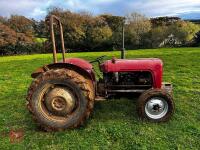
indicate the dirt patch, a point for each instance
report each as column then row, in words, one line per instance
column 15, row 135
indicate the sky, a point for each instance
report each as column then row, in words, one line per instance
column 37, row 9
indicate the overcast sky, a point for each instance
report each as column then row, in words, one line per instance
column 187, row 9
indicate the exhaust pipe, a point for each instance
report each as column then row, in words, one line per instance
column 123, row 42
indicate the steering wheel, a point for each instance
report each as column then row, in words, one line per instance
column 98, row 59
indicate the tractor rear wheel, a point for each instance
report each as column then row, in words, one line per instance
column 60, row 99
column 155, row 105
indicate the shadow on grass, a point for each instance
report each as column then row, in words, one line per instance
column 115, row 109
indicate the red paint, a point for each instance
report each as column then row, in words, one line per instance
column 153, row 65
column 79, row 62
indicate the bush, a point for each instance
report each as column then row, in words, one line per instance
column 21, row 48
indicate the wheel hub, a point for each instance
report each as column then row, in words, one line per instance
column 60, row 101
column 156, row 108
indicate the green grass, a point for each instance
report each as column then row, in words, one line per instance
column 114, row 123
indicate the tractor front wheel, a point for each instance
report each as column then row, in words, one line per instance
column 155, row 105
column 60, row 99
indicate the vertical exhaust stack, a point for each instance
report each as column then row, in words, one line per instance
column 123, row 42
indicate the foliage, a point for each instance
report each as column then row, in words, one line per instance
column 22, row 48
column 10, row 36
column 40, row 29
column 40, row 40
column 196, row 40
column 116, row 24
column 181, row 31
column 83, row 31
column 21, row 24
column 16, row 37
column 164, row 21
column 86, row 32
column 137, row 26
column 158, row 35
column 99, row 37
column 190, row 30
column 114, row 123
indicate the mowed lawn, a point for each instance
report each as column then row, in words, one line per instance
column 114, row 124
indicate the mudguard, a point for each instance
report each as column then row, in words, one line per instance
column 79, row 65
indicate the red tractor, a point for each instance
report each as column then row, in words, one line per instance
column 63, row 93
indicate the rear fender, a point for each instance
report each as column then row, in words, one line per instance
column 86, row 73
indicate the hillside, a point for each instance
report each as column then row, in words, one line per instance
column 114, row 123
column 196, row 21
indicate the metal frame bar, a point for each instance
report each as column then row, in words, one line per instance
column 126, row 91
column 52, row 20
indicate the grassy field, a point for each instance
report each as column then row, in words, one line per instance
column 114, row 123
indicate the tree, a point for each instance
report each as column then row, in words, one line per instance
column 74, row 33
column 137, row 26
column 100, row 37
column 12, row 42
column 98, row 33
column 166, row 29
column 21, row 24
column 182, row 31
column 190, row 29
column 3, row 19
column 196, row 40
column 82, row 31
column 39, row 28
column 164, row 21
column 158, row 35
column 10, row 36
column 115, row 23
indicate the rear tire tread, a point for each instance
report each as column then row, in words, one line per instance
column 64, row 74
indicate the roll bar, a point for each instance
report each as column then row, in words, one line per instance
column 51, row 20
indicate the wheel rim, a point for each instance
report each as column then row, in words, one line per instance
column 156, row 108
column 60, row 101
column 52, row 107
